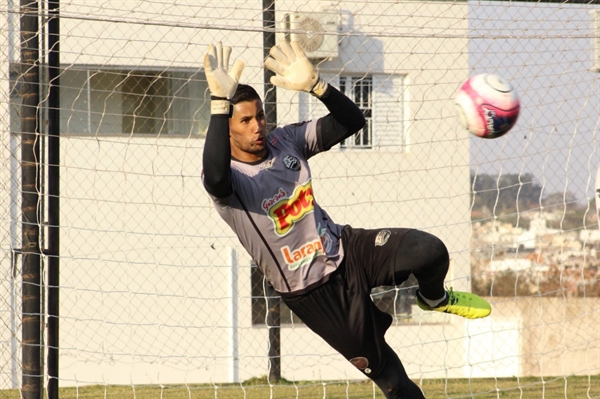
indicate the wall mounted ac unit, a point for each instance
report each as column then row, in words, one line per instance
column 317, row 32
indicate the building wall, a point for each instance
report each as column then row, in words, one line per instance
column 558, row 336
column 145, row 260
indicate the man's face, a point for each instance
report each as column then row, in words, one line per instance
column 247, row 131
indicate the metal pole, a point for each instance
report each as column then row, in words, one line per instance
column 273, row 315
column 30, row 232
column 274, row 325
column 268, row 42
column 234, row 371
column 53, row 250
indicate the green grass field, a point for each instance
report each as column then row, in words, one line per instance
column 481, row 388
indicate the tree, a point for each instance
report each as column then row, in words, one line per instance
column 504, row 194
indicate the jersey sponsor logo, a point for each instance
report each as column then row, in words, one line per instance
column 267, row 165
column 269, row 202
column 286, row 212
column 296, row 258
column 292, row 163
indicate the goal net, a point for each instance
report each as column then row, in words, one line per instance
column 156, row 292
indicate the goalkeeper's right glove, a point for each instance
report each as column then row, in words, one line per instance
column 222, row 84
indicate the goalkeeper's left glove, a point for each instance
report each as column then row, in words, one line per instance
column 293, row 70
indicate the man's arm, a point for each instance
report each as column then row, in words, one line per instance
column 344, row 120
column 295, row 72
column 216, row 157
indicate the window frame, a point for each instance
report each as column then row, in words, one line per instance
column 77, row 101
column 361, row 91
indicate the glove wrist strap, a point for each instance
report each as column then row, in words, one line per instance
column 220, row 106
column 319, row 89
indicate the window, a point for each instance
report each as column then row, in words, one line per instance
column 396, row 301
column 360, row 90
column 383, row 99
column 133, row 102
column 144, row 101
column 260, row 300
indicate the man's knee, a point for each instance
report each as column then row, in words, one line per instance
column 420, row 250
column 430, row 247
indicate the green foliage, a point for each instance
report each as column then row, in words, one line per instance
column 505, row 194
column 264, row 380
column 511, row 198
column 567, row 387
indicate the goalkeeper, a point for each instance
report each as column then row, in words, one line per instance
column 261, row 185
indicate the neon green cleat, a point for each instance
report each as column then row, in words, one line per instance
column 460, row 303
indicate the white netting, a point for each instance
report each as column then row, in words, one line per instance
column 155, row 289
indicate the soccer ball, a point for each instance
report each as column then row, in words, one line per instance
column 487, row 106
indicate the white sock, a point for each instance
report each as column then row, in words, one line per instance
column 433, row 302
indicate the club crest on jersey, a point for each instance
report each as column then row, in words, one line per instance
column 288, row 210
column 292, row 163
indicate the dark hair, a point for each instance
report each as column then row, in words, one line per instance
column 244, row 93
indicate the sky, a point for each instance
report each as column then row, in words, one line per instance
column 545, row 51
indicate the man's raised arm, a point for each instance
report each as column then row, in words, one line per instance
column 295, row 72
column 216, row 156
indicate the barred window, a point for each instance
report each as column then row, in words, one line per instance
column 396, row 301
column 133, row 102
column 264, row 297
column 360, row 90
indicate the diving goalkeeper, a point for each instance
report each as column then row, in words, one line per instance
column 260, row 183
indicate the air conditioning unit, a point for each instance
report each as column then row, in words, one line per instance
column 316, row 32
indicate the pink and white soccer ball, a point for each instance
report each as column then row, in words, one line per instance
column 487, row 105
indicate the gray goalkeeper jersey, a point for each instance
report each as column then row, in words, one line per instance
column 274, row 213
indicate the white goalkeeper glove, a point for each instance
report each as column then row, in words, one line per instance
column 293, row 70
column 222, row 84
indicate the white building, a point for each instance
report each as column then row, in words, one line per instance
column 146, row 264
column 154, row 286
